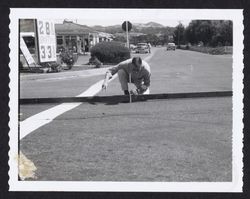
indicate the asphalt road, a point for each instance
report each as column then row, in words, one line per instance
column 167, row 140
column 185, row 71
column 172, row 71
column 173, row 140
column 64, row 84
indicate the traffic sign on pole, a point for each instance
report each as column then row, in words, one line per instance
column 127, row 26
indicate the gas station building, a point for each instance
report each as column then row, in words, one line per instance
column 78, row 38
column 70, row 36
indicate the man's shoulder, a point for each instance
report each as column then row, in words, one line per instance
column 127, row 61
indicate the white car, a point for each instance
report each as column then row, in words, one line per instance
column 142, row 48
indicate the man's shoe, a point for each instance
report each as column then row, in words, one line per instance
column 126, row 92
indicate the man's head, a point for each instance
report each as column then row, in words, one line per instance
column 137, row 62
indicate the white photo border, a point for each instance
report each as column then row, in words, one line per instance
column 236, row 15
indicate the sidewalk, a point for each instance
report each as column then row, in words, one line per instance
column 80, row 71
column 82, row 60
column 80, row 67
column 82, row 63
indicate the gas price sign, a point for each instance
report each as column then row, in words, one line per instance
column 46, row 39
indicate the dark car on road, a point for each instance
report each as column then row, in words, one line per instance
column 171, row 46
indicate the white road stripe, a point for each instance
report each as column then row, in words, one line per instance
column 95, row 88
column 36, row 121
column 40, row 119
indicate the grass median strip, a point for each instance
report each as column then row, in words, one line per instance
column 122, row 98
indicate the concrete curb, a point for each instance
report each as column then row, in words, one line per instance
column 123, row 98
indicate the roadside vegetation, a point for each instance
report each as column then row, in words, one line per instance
column 211, row 33
column 220, row 50
column 207, row 36
column 110, row 52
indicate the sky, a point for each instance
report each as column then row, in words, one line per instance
column 107, row 17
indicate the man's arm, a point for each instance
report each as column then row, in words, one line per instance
column 113, row 71
column 145, row 85
column 121, row 65
column 146, row 79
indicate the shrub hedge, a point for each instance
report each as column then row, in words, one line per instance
column 209, row 50
column 110, row 52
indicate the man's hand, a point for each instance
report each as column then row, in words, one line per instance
column 108, row 76
column 139, row 91
column 142, row 89
column 105, row 85
column 134, row 92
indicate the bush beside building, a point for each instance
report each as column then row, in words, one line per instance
column 110, row 52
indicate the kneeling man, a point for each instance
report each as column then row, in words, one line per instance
column 134, row 71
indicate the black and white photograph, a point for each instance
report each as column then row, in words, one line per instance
column 126, row 100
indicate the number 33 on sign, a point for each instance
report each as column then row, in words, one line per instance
column 46, row 39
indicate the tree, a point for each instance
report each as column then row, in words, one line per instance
column 223, row 33
column 120, row 39
column 204, row 31
column 179, row 37
column 151, row 38
column 162, row 39
column 190, row 33
column 210, row 32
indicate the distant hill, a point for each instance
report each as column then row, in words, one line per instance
column 154, row 24
column 147, row 28
column 109, row 29
column 148, row 25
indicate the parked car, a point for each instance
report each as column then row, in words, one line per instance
column 132, row 48
column 171, row 46
column 142, row 48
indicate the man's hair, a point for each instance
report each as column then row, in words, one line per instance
column 136, row 60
